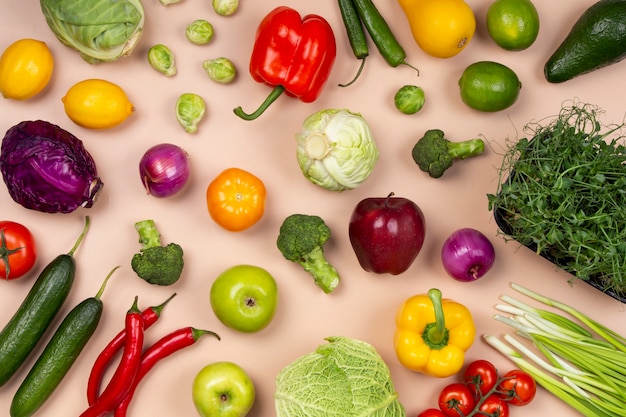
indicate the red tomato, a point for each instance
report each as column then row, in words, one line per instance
column 494, row 406
column 481, row 376
column 17, row 250
column 431, row 412
column 456, row 400
column 517, row 387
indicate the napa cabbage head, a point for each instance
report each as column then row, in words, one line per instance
column 100, row 30
column 336, row 149
column 344, row 377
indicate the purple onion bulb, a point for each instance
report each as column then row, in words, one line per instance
column 164, row 170
column 467, row 255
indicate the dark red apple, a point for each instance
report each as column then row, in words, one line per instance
column 387, row 233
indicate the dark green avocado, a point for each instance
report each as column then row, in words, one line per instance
column 597, row 39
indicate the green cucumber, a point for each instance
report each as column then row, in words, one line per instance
column 597, row 39
column 41, row 305
column 59, row 355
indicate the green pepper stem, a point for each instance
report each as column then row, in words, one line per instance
column 437, row 333
column 274, row 94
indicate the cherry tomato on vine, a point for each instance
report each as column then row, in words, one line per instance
column 236, row 199
column 494, row 406
column 518, row 387
column 18, row 251
column 481, row 376
column 431, row 412
column 456, row 400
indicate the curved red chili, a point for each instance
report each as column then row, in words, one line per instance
column 150, row 316
column 126, row 371
column 162, row 348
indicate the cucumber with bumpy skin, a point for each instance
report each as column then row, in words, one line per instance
column 597, row 39
column 41, row 305
column 59, row 355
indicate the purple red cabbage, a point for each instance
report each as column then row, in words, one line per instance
column 48, row 169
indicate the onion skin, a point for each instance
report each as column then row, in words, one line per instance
column 164, row 170
column 467, row 255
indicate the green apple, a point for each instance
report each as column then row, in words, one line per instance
column 223, row 389
column 244, row 298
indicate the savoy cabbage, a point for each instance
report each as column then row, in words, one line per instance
column 345, row 377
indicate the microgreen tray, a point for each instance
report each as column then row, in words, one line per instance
column 506, row 229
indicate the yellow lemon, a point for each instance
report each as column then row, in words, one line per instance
column 97, row 104
column 441, row 28
column 25, row 69
column 489, row 86
column 513, row 24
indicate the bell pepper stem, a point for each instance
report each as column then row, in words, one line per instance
column 437, row 333
column 274, row 94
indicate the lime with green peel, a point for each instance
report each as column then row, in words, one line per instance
column 513, row 24
column 489, row 86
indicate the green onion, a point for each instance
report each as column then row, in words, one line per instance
column 577, row 359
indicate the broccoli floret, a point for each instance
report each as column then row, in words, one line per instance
column 301, row 240
column 155, row 263
column 434, row 154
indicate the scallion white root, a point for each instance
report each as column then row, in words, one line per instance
column 572, row 356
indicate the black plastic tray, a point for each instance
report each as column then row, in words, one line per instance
column 505, row 228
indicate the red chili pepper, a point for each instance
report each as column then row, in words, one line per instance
column 162, row 348
column 150, row 316
column 292, row 54
column 126, row 371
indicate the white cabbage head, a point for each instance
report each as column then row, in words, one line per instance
column 336, row 149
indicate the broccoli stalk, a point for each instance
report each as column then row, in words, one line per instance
column 434, row 154
column 155, row 263
column 301, row 239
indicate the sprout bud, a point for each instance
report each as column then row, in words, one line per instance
column 199, row 32
column 225, row 7
column 162, row 59
column 220, row 70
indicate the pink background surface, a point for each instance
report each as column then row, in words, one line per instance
column 364, row 304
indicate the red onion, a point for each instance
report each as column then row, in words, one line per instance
column 164, row 170
column 467, row 255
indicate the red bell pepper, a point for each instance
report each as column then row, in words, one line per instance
column 294, row 55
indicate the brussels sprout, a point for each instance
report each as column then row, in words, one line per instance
column 221, row 70
column 225, row 7
column 409, row 99
column 161, row 59
column 168, row 2
column 336, row 149
column 99, row 30
column 199, row 32
column 190, row 109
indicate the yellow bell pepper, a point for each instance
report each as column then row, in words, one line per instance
column 432, row 334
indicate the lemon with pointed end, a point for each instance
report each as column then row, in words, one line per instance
column 513, row 24
column 97, row 104
column 25, row 69
column 441, row 28
column 489, row 86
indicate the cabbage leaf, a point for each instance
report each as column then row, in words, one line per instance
column 345, row 377
column 100, row 30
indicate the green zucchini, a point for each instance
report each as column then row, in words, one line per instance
column 59, row 355
column 42, row 303
column 597, row 39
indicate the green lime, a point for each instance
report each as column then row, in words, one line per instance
column 513, row 24
column 489, row 86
